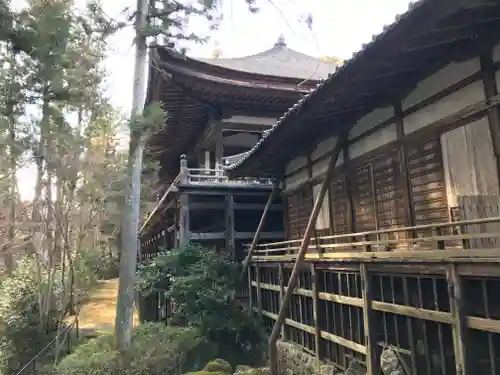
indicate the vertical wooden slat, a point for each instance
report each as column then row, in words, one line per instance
column 259, row 291
column 368, row 323
column 317, row 328
column 281, row 280
column 409, row 327
column 459, row 327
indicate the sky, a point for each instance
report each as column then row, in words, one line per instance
column 339, row 29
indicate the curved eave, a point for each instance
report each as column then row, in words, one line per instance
column 185, row 66
column 430, row 34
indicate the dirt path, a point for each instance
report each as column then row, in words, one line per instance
column 97, row 315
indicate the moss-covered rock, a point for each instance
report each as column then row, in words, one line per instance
column 219, row 365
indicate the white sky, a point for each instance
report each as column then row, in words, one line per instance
column 340, row 27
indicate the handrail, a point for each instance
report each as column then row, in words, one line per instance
column 495, row 219
column 64, row 333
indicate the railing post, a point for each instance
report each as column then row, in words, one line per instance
column 371, row 357
column 273, row 354
column 184, row 171
column 459, row 325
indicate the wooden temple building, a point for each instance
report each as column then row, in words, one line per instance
column 218, row 109
column 390, row 184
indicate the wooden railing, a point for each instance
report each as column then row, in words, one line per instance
column 427, row 292
column 203, row 176
column 48, row 351
column 466, row 234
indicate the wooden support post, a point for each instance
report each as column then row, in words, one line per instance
column 207, row 159
column 219, row 148
column 371, row 345
column 281, row 280
column 229, row 224
column 405, row 178
column 317, row 328
column 300, row 256
column 250, row 296
column 259, row 230
column 183, row 220
column 259, row 291
column 459, row 327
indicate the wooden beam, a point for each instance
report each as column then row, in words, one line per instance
column 259, row 229
column 300, row 256
column 459, row 324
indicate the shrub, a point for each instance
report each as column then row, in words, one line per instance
column 201, row 284
column 156, row 350
column 20, row 334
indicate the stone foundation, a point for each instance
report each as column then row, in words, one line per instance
column 293, row 360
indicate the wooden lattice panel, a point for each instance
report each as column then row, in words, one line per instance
column 428, row 192
column 363, row 199
column 389, row 192
column 299, row 208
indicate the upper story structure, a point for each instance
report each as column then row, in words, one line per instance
column 219, row 108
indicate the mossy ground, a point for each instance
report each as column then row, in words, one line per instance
column 97, row 315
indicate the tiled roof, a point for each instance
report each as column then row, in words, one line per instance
column 310, row 96
column 279, row 61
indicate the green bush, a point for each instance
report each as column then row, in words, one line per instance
column 202, row 283
column 20, row 334
column 156, row 350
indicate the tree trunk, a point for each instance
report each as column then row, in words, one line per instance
column 130, row 224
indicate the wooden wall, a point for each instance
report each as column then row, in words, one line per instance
column 411, row 163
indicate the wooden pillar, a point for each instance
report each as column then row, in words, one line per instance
column 229, row 226
column 219, row 147
column 459, row 326
column 491, row 90
column 317, row 328
column 348, row 191
column 183, row 220
column 306, row 239
column 250, row 295
column 207, row 159
column 368, row 323
column 405, row 183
